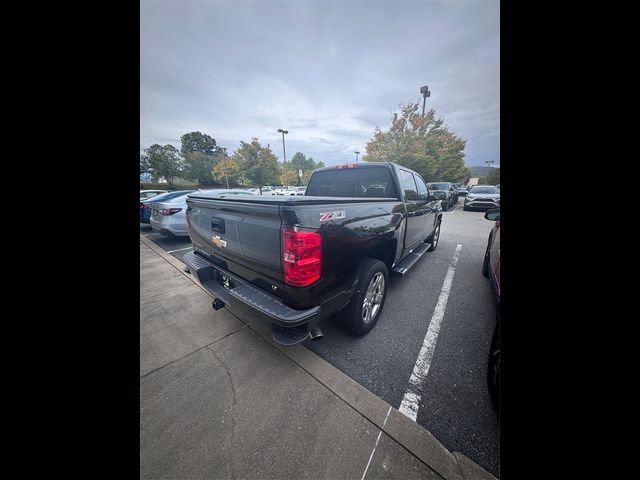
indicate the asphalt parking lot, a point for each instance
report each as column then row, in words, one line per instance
column 454, row 403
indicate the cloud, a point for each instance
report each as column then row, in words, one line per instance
column 329, row 72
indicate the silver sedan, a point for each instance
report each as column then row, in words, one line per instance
column 169, row 218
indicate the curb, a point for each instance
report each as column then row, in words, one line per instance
column 412, row 437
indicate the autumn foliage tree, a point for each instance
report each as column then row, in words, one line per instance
column 258, row 164
column 421, row 143
column 226, row 170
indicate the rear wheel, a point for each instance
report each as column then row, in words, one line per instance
column 365, row 307
column 434, row 238
column 445, row 204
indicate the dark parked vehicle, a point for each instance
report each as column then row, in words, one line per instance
column 462, row 190
column 145, row 205
column 491, row 270
column 444, row 191
column 301, row 259
column 482, row 197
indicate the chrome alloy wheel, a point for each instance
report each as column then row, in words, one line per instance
column 436, row 236
column 373, row 298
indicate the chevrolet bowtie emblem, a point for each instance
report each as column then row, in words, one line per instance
column 219, row 242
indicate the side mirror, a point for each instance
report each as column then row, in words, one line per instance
column 493, row 214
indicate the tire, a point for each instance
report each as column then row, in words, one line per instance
column 355, row 314
column 445, row 205
column 465, row 208
column 493, row 369
column 485, row 263
column 435, row 235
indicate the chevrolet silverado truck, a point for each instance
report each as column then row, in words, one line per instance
column 301, row 259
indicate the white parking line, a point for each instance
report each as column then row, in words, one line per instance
column 180, row 249
column 376, row 445
column 457, row 205
column 411, row 400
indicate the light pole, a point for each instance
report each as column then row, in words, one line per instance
column 224, row 165
column 488, row 164
column 425, row 93
column 284, row 151
column 357, row 153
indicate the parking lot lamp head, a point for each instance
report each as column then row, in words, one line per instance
column 424, row 91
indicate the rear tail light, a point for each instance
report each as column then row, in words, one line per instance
column 146, row 205
column 170, row 211
column 302, row 257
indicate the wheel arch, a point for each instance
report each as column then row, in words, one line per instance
column 385, row 252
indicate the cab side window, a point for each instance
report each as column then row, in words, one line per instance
column 423, row 191
column 408, row 185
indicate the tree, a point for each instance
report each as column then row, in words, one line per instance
column 301, row 162
column 164, row 161
column 258, row 164
column 492, row 178
column 291, row 176
column 421, row 143
column 227, row 169
column 144, row 164
column 197, row 142
column 467, row 175
column 198, row 167
column 306, row 175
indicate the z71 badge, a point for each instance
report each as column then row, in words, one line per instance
column 326, row 216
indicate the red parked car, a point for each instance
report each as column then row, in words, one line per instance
column 491, row 270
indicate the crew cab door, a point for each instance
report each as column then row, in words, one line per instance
column 416, row 211
column 430, row 206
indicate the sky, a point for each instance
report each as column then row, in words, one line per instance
column 329, row 72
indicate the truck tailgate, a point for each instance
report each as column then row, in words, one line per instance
column 241, row 237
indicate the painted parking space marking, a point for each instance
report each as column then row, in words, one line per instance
column 180, row 249
column 411, row 400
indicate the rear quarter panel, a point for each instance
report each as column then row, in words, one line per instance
column 366, row 226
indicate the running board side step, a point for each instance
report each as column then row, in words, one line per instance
column 410, row 260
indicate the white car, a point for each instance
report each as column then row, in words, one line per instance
column 147, row 194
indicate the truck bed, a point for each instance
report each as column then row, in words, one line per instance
column 249, row 231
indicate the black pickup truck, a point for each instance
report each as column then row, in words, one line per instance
column 300, row 259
